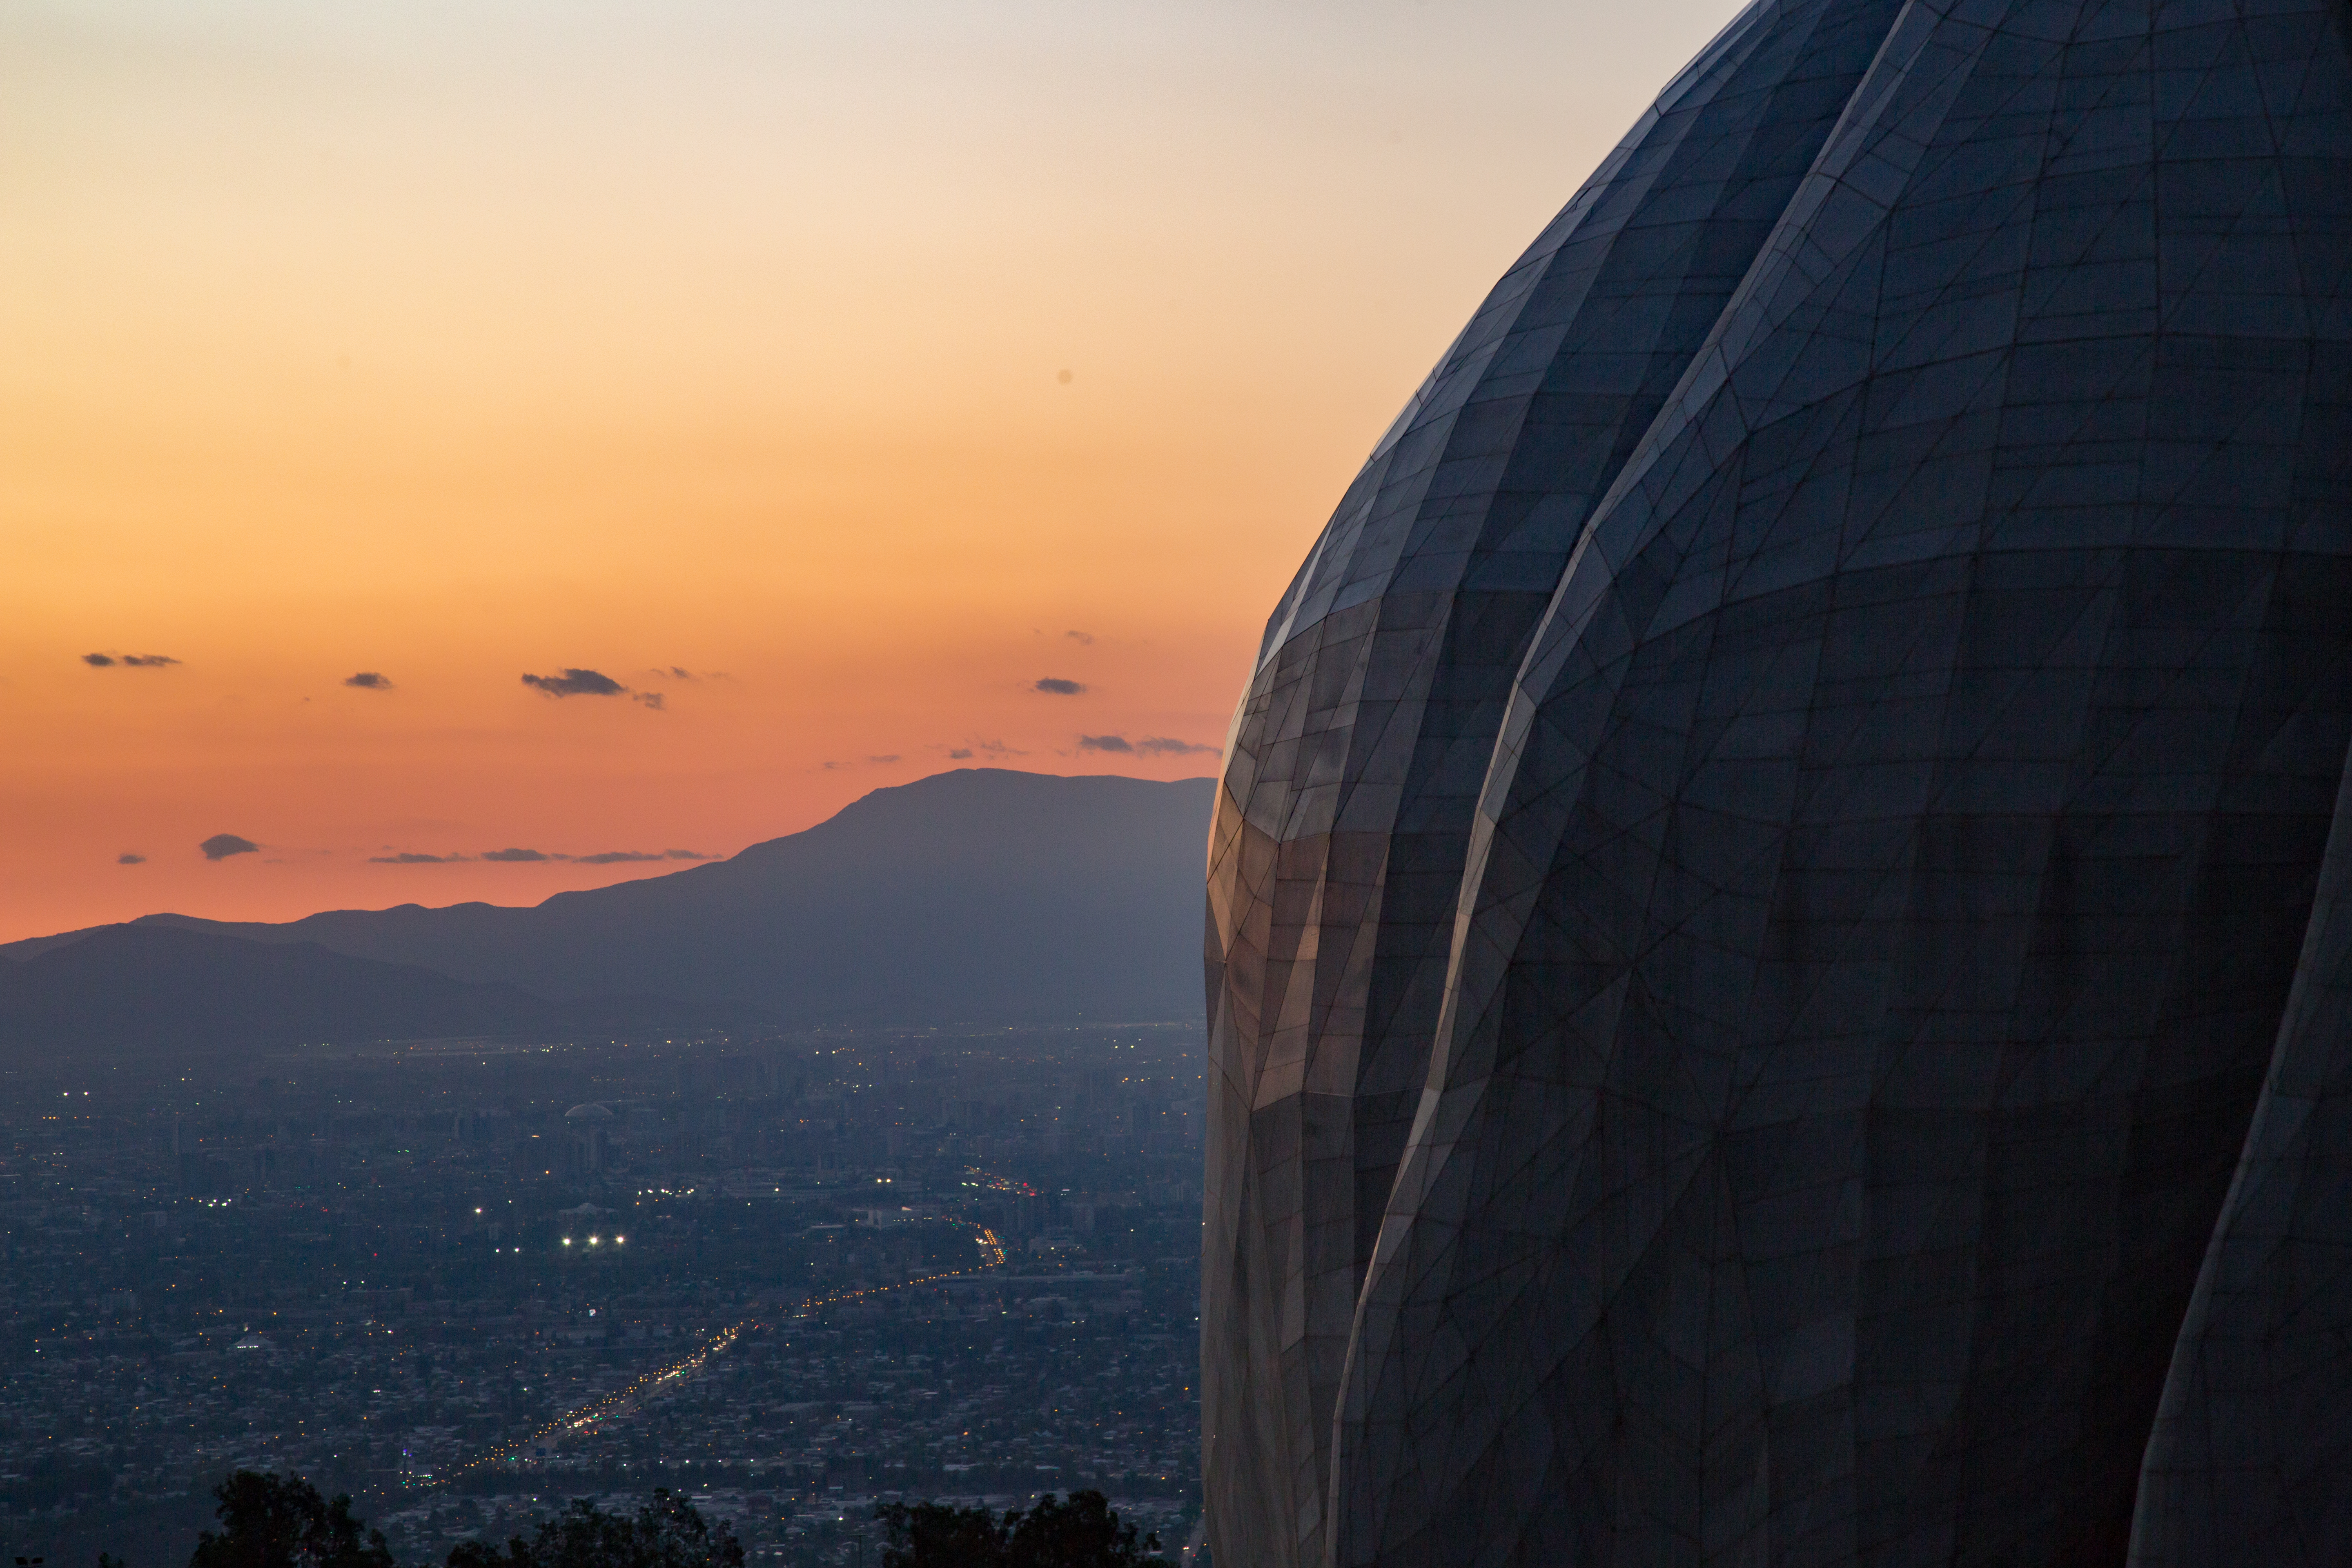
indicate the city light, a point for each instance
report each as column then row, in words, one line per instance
column 586, row 1418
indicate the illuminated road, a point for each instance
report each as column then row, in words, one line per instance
column 624, row 1400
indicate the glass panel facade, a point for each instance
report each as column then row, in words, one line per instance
column 1774, row 842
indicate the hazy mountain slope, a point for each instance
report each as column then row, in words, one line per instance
column 150, row 989
column 975, row 895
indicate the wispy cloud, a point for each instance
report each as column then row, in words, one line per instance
column 131, row 860
column 221, row 846
column 369, row 680
column 128, row 660
column 1148, row 746
column 575, row 682
column 513, row 855
column 623, row 857
column 653, row 699
column 1084, row 639
column 1055, row 685
column 980, row 748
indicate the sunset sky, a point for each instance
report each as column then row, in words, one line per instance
column 822, row 378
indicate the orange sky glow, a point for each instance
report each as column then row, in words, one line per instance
column 823, row 377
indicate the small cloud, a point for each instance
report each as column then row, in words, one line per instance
column 1103, row 743
column 128, row 660
column 410, row 858
column 575, row 683
column 960, row 753
column 653, row 699
column 221, row 846
column 879, row 761
column 686, row 855
column 675, row 672
column 515, row 855
column 1055, row 685
column 616, row 857
column 1167, row 746
column 369, row 680
column 131, row 860
column 1084, row 639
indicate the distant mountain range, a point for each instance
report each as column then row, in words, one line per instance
column 980, row 895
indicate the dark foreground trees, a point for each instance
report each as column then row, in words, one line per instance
column 667, row 1532
column 281, row 1521
column 1084, row 1532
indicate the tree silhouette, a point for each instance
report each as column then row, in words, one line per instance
column 1084, row 1532
column 269, row 1520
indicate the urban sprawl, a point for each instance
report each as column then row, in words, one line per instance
column 466, row 1281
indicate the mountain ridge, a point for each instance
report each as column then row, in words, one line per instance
column 979, row 894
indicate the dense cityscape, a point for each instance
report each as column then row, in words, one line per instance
column 467, row 1280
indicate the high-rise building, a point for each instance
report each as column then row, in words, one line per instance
column 1765, row 858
